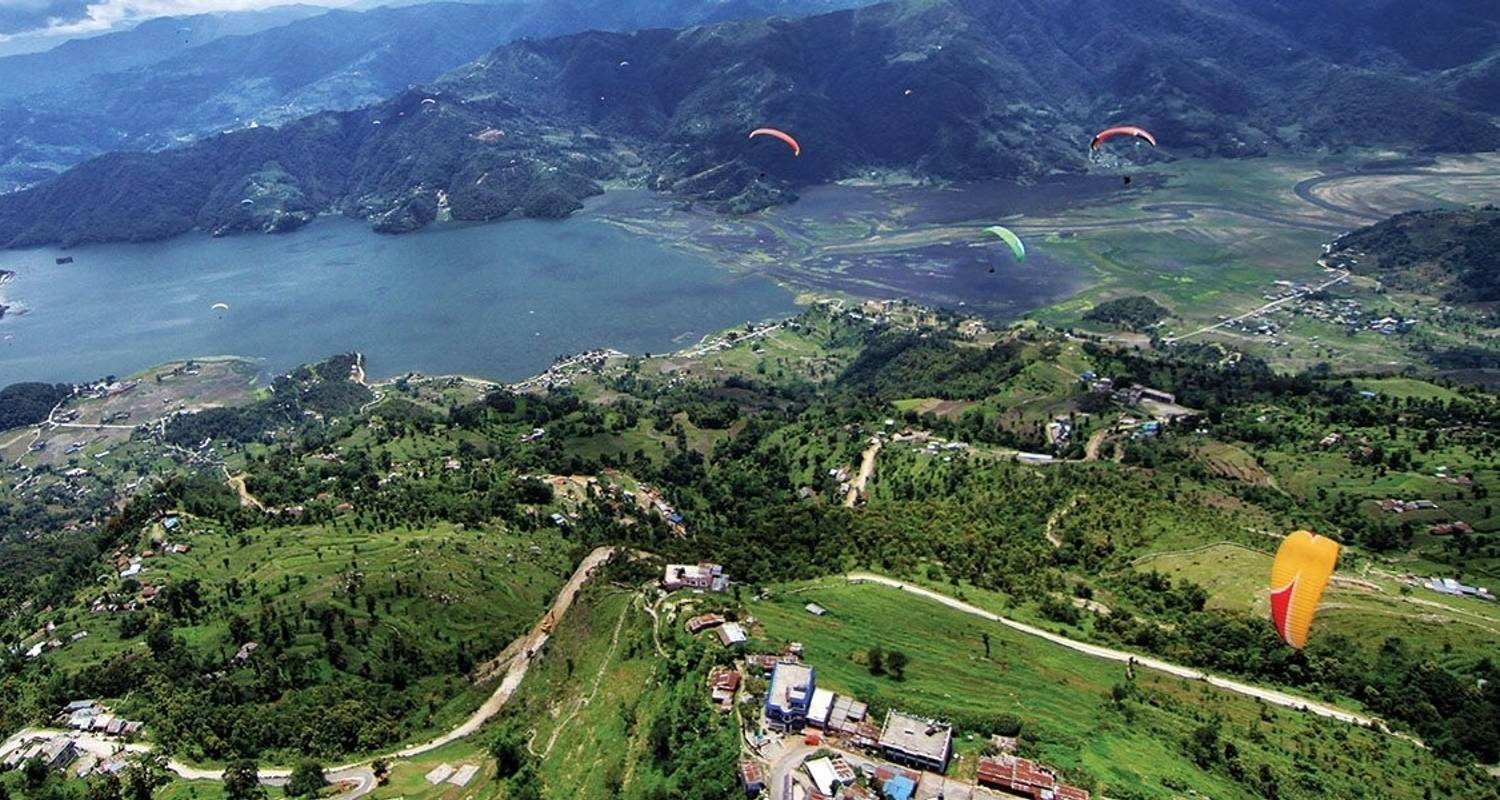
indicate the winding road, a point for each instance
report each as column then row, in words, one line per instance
column 1268, row 695
column 359, row 774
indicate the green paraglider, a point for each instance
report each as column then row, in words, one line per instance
column 1016, row 247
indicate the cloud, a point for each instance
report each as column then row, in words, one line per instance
column 68, row 18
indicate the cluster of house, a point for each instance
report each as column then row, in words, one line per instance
column 1021, row 777
column 90, row 717
column 61, row 753
column 889, row 760
column 1450, row 586
column 1135, row 393
column 560, row 374
column 730, row 634
column 1340, row 311
column 102, row 389
column 56, row 752
column 1395, row 506
column 927, row 443
column 47, row 642
column 1446, row 528
column 650, row 498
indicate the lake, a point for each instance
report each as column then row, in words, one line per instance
column 498, row 301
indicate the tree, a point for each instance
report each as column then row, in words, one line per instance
column 876, row 661
column 986, row 636
column 307, row 779
column 382, row 770
column 1203, row 745
column 242, row 780
column 509, row 750
column 103, row 787
column 34, row 774
column 144, row 774
column 895, row 661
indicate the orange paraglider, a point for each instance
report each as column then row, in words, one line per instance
column 1304, row 563
column 1123, row 130
column 782, row 135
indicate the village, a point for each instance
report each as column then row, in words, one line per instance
column 806, row 741
column 129, row 587
column 94, row 744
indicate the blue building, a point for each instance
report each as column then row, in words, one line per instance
column 790, row 695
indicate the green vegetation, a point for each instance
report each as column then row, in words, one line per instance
column 1447, row 253
column 377, row 553
column 1137, row 312
column 29, row 403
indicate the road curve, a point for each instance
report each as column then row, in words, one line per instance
column 1268, row 695
column 1304, row 188
column 359, row 773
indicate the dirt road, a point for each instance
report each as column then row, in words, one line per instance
column 523, row 651
column 1268, row 695
column 866, row 469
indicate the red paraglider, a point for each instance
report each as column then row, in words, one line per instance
column 782, row 135
column 1123, row 130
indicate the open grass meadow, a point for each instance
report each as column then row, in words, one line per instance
column 408, row 777
column 1136, row 749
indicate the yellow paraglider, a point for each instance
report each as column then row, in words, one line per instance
column 1304, row 563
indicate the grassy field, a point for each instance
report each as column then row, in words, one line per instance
column 1063, row 701
column 1364, row 604
column 407, row 777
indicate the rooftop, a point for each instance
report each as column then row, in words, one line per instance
column 790, row 683
column 917, row 736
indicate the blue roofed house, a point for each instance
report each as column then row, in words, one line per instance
column 898, row 788
column 790, row 696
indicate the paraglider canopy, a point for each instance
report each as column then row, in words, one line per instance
column 1304, row 563
column 1017, row 249
column 1123, row 130
column 219, row 307
column 782, row 135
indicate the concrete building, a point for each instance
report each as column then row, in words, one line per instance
column 820, row 708
column 916, row 742
column 703, row 576
column 732, row 634
column 790, row 696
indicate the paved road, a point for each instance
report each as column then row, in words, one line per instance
column 1268, row 695
column 1342, row 276
column 359, row 774
column 1304, row 188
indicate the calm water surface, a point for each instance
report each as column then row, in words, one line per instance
column 498, row 301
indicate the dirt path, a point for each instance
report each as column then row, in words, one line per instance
column 1091, row 447
column 1056, row 517
column 237, row 483
column 866, row 469
column 614, row 644
column 1268, row 695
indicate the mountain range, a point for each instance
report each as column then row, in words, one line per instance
column 951, row 89
column 172, row 80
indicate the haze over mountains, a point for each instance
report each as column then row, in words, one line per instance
column 171, row 80
column 939, row 88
